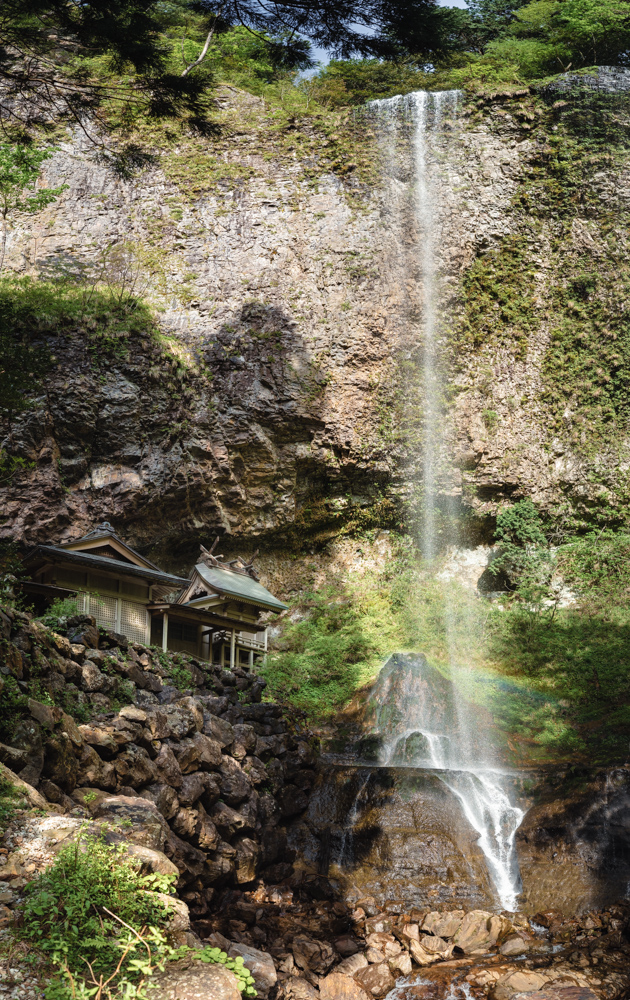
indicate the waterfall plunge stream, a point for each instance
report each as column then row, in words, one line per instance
column 437, row 732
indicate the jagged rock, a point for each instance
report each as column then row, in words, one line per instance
column 300, row 989
column 374, row 956
column 206, row 833
column 166, row 767
column 233, row 782
column 199, row 982
column 376, row 980
column 244, row 742
column 94, row 771
column 192, row 787
column 86, row 634
column 164, row 797
column 60, row 762
column 198, row 752
column 134, row 767
column 184, row 855
column 91, row 677
column 179, row 917
column 309, row 953
column 336, row 986
column 138, row 819
column 12, row 757
column 99, row 738
column 259, row 963
column 180, row 719
column 444, row 925
column 219, row 730
column 46, row 715
column 220, row 863
column 89, row 797
column 247, row 853
column 255, row 770
column 149, row 860
column 385, row 943
column 196, row 707
column 227, row 820
column 517, row 982
column 157, row 724
column 133, row 714
column 185, row 822
column 96, row 656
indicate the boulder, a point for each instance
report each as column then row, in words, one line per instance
column 136, row 819
column 376, row 980
column 477, row 933
column 514, row 945
column 400, row 964
column 352, row 964
column 134, row 767
column 198, row 753
column 179, row 917
column 95, row 772
column 244, row 742
column 180, row 719
column 300, row 989
column 31, row 794
column 166, row 767
column 99, row 738
column 60, row 762
column 91, row 677
column 385, row 943
column 164, row 797
column 316, row 956
column 195, row 706
column 150, row 861
column 420, row 956
column 198, row 982
column 518, row 982
column 436, row 946
column 227, row 820
column 157, row 724
column 233, row 782
column 206, row 834
column 337, row 986
column 259, row 963
column 247, row 853
column 444, row 925
column 192, row 788
column 292, row 800
column 219, row 730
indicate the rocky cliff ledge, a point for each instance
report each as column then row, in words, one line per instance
column 278, row 393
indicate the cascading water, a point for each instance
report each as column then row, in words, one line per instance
column 417, row 735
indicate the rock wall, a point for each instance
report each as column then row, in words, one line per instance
column 284, row 398
column 196, row 754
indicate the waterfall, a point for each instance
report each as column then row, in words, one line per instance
column 413, row 129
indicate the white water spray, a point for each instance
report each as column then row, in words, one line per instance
column 412, row 738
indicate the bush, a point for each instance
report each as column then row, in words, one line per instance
column 56, row 616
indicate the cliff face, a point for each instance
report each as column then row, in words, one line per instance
column 282, row 391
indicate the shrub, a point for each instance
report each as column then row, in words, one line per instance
column 96, row 920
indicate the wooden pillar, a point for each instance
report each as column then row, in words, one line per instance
column 251, row 659
column 165, row 631
column 232, row 648
column 265, row 647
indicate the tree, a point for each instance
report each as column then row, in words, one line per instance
column 19, row 172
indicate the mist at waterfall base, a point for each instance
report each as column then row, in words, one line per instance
column 418, row 716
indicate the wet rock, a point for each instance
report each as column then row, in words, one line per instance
column 517, row 982
column 420, row 956
column 514, row 945
column 436, row 946
column 376, row 980
column 199, row 982
column 259, row 963
column 400, row 964
column 292, row 800
column 337, row 986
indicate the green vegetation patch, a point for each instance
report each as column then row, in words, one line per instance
column 101, row 926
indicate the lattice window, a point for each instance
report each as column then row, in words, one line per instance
column 104, row 610
column 133, row 621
